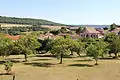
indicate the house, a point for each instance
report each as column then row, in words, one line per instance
column 46, row 35
column 13, row 38
column 90, row 32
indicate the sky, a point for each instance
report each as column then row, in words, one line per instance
column 75, row 12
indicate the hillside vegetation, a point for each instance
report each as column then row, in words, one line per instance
column 29, row 21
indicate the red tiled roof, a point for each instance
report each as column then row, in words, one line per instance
column 13, row 37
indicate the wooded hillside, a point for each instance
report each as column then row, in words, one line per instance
column 30, row 21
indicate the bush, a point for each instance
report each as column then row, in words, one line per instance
column 8, row 66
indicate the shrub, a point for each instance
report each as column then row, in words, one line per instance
column 8, row 66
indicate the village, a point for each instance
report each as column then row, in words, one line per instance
column 60, row 40
column 82, row 32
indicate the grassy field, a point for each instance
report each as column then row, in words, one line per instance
column 47, row 68
column 52, row 27
column 13, row 25
column 6, row 25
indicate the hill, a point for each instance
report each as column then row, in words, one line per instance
column 27, row 21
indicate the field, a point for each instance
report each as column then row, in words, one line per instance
column 6, row 25
column 13, row 25
column 47, row 68
column 52, row 27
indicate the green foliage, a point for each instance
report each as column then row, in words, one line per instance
column 60, row 47
column 105, row 28
column 27, row 45
column 114, row 43
column 19, row 30
column 63, row 30
column 45, row 45
column 115, row 47
column 113, row 26
column 8, row 66
column 76, row 46
column 110, row 37
column 80, row 46
column 80, row 29
column 5, row 45
column 99, row 48
column 55, row 32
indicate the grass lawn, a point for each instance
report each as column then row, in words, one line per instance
column 47, row 68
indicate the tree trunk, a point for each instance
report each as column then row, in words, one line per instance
column 96, row 61
column 116, row 55
column 71, row 52
column 13, row 77
column 25, row 57
column 61, row 56
column 78, row 53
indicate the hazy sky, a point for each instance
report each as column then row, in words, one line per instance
column 64, row 11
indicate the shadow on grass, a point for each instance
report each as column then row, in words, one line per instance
column 1, row 62
column 3, row 74
column 81, row 65
column 109, row 58
column 40, row 64
column 82, row 56
column 16, row 61
column 41, row 59
column 68, row 57
column 54, row 56
column 45, row 56
column 86, row 60
column 15, row 58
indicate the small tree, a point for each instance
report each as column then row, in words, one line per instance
column 115, row 46
column 5, row 45
column 113, row 26
column 80, row 29
column 114, row 43
column 55, row 32
column 45, row 45
column 77, row 46
column 27, row 45
column 8, row 66
column 92, row 51
column 80, row 47
column 60, row 47
column 97, row 49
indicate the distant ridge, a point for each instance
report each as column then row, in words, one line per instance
column 30, row 21
column 95, row 26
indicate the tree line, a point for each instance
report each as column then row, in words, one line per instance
column 30, row 21
column 19, row 30
column 61, row 47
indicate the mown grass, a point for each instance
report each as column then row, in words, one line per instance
column 47, row 68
